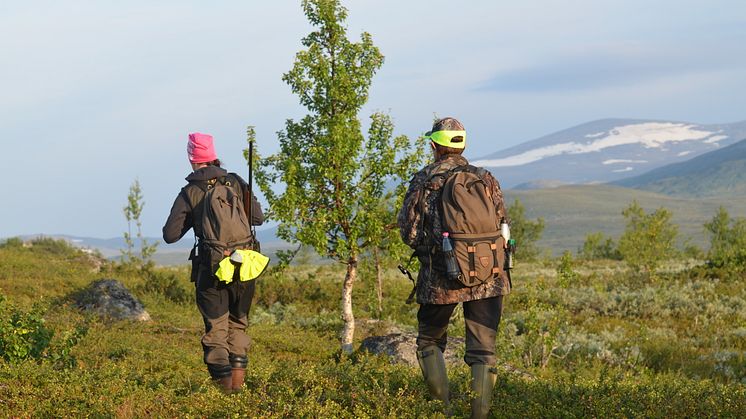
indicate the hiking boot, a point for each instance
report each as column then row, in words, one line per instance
column 433, row 367
column 483, row 379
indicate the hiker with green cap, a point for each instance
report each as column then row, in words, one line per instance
column 215, row 204
column 451, row 216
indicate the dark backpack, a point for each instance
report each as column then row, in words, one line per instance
column 469, row 216
column 223, row 220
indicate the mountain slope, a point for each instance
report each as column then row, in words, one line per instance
column 719, row 172
column 607, row 150
column 571, row 212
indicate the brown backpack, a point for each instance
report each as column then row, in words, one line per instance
column 470, row 217
column 221, row 219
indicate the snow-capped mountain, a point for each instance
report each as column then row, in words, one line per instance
column 607, row 150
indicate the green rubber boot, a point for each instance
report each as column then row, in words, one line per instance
column 433, row 367
column 483, row 379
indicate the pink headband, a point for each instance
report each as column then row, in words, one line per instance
column 200, row 148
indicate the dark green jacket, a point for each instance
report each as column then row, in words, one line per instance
column 186, row 208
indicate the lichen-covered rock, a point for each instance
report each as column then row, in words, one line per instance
column 109, row 298
column 401, row 348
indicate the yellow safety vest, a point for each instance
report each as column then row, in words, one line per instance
column 252, row 265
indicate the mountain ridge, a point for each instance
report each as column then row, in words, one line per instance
column 719, row 172
column 607, row 150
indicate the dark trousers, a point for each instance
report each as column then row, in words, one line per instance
column 225, row 310
column 482, row 318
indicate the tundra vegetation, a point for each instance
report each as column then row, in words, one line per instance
column 625, row 328
column 580, row 337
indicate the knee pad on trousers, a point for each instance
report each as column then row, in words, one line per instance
column 215, row 355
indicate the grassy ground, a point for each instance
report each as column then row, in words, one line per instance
column 603, row 344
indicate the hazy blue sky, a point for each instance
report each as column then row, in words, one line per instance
column 97, row 93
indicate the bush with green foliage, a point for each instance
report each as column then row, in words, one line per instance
column 525, row 232
column 648, row 239
column 11, row 242
column 597, row 246
column 23, row 334
column 169, row 284
column 566, row 275
column 728, row 241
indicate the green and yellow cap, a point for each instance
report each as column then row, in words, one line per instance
column 448, row 138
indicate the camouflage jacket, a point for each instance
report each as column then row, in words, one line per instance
column 419, row 223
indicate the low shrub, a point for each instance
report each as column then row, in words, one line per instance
column 23, row 334
column 597, row 246
column 169, row 284
column 11, row 243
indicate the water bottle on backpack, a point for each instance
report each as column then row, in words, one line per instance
column 452, row 269
column 510, row 245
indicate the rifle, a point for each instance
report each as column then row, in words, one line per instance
column 247, row 201
column 405, row 271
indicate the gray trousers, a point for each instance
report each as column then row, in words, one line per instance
column 482, row 318
column 224, row 309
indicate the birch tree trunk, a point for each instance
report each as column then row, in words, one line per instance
column 348, row 331
column 379, row 280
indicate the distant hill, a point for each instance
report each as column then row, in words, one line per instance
column 540, row 184
column 718, row 173
column 166, row 254
column 607, row 150
column 571, row 212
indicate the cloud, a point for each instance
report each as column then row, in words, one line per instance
column 614, row 65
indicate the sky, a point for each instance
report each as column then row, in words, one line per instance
column 95, row 94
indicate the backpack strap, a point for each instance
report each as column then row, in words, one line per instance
column 496, row 266
column 478, row 171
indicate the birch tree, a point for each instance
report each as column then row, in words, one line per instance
column 334, row 175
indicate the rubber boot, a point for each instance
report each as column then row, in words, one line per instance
column 433, row 367
column 483, row 379
column 222, row 377
column 238, row 371
column 225, row 384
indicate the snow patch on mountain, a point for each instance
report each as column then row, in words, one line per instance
column 616, row 161
column 596, row 135
column 648, row 134
column 684, row 153
column 715, row 139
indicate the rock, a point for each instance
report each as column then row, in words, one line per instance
column 109, row 298
column 93, row 259
column 370, row 327
column 401, row 348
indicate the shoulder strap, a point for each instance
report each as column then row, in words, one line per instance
column 468, row 169
column 463, row 168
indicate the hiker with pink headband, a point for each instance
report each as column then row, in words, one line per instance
column 214, row 203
